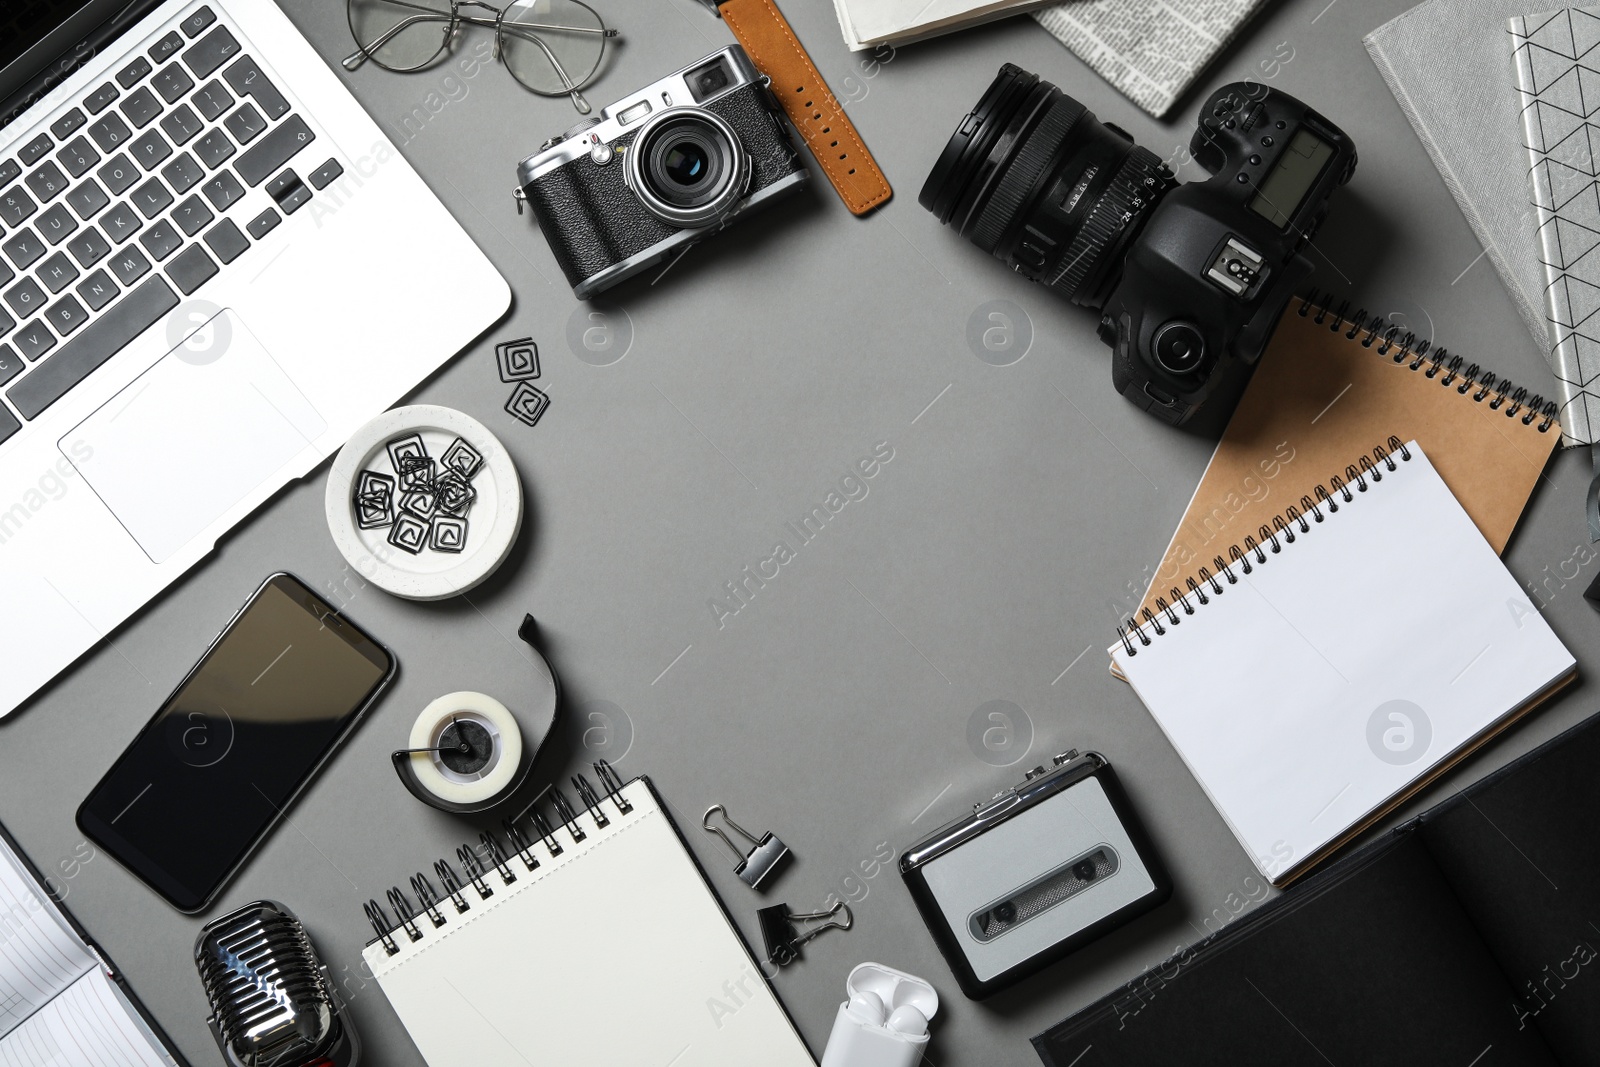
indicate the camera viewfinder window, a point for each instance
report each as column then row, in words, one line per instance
column 709, row 80
column 1280, row 195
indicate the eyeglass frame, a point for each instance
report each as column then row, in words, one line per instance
column 454, row 19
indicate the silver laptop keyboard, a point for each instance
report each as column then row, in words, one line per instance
column 122, row 206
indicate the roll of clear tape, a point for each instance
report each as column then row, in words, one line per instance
column 475, row 777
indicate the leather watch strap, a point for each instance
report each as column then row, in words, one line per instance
column 760, row 27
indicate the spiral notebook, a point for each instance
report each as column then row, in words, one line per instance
column 1333, row 381
column 1337, row 664
column 588, row 938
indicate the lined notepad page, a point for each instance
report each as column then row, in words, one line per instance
column 39, row 956
column 87, row 1025
column 614, row 952
column 1349, row 667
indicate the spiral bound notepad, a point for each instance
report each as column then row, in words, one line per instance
column 1333, row 663
column 587, row 938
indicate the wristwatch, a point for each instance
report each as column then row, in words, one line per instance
column 766, row 36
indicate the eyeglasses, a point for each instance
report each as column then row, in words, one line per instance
column 552, row 47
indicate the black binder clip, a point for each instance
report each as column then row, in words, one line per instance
column 783, row 939
column 766, row 855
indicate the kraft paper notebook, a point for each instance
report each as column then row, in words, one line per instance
column 606, row 947
column 1331, row 386
column 1329, row 670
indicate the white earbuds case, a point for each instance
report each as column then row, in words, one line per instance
column 885, row 1021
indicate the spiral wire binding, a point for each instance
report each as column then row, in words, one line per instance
column 1269, row 540
column 401, row 915
column 1436, row 363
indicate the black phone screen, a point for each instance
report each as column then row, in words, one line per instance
column 215, row 769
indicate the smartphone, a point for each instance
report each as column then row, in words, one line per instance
column 231, row 749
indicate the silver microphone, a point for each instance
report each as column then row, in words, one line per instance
column 273, row 1003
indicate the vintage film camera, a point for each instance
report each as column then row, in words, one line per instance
column 1190, row 280
column 660, row 170
column 1036, row 872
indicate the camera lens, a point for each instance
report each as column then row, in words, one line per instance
column 1005, row 912
column 1179, row 347
column 1033, row 178
column 687, row 166
column 1083, row 870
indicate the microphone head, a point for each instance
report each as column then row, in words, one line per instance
column 272, row 1001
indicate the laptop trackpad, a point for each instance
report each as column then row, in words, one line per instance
column 193, row 436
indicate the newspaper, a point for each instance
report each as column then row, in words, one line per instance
column 1150, row 50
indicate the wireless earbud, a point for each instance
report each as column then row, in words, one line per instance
column 869, row 1008
column 909, row 1021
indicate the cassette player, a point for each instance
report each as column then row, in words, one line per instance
column 1034, row 873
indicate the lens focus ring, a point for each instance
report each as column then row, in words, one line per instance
column 1041, row 145
column 1136, row 182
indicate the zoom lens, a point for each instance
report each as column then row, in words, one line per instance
column 687, row 166
column 1033, row 178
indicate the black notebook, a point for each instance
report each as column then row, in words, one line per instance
column 1468, row 936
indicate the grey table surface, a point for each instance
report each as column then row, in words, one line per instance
column 989, row 560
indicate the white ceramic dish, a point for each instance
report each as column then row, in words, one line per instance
column 492, row 523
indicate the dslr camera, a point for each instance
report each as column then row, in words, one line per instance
column 660, row 170
column 1189, row 280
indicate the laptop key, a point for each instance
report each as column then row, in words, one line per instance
column 8, row 423
column 191, row 268
column 211, row 51
column 121, row 222
column 57, row 272
column 212, row 100
column 6, row 274
column 78, row 156
column 248, row 80
column 296, row 198
column 119, row 174
column 182, row 173
column 24, row 248
column 97, row 290
column 66, row 315
column 264, row 223
column 16, row 205
column 34, row 340
column 274, row 150
column 151, row 198
column 150, row 149
column 325, row 174
column 88, row 199
column 161, row 240
column 101, row 98
column 89, row 247
column 226, row 241
column 172, row 82
column 63, row 126
column 129, row 265
column 182, row 125
column 103, row 338
column 25, row 298
column 222, row 190
column 57, row 224
column 196, row 22
column 214, row 148
column 245, row 124
column 110, row 132
column 10, row 366
column 47, row 181
column 141, row 108
column 134, row 72
column 35, row 149
column 191, row 216
column 165, row 48
column 9, row 171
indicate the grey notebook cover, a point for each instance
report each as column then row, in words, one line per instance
column 1448, row 63
column 1558, row 84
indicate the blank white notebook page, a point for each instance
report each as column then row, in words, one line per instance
column 1383, row 641
column 613, row 953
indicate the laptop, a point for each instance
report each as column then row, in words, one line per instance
column 214, row 266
